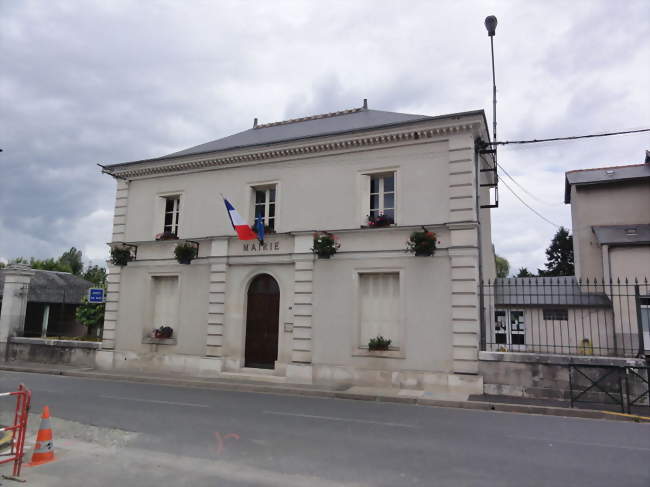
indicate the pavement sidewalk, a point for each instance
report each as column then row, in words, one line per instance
column 421, row 398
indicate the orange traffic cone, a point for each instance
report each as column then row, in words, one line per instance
column 44, row 448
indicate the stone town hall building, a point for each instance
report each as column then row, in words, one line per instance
column 241, row 308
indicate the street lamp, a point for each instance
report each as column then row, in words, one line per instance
column 491, row 26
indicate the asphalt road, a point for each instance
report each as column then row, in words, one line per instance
column 224, row 438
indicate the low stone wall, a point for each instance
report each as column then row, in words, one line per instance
column 547, row 376
column 56, row 352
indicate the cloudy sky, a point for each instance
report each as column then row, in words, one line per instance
column 86, row 82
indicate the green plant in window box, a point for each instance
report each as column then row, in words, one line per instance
column 379, row 343
column 121, row 255
column 325, row 245
column 422, row 244
column 185, row 252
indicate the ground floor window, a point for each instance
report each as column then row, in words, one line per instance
column 379, row 296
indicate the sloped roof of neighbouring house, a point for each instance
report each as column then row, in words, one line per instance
column 622, row 234
column 334, row 123
column 54, row 287
column 604, row 175
column 547, row 291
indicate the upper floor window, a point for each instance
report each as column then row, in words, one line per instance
column 265, row 205
column 172, row 211
column 382, row 198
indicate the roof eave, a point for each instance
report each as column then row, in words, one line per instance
column 296, row 139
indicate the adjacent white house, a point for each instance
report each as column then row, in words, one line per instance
column 245, row 308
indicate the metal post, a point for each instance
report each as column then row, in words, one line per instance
column 46, row 320
column 639, row 323
column 494, row 98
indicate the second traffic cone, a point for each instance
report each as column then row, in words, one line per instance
column 44, row 448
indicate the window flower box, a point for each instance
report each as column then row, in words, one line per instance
column 422, row 244
column 325, row 245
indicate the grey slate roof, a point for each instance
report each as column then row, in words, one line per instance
column 547, row 291
column 622, row 234
column 604, row 175
column 308, row 127
column 54, row 287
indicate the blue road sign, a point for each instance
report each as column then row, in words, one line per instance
column 95, row 295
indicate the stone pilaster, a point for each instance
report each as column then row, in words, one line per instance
column 216, row 298
column 464, row 255
column 216, row 304
column 14, row 300
column 301, row 350
column 119, row 216
column 113, row 280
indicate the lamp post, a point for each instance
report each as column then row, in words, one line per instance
column 491, row 26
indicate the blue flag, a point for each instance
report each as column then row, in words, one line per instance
column 259, row 228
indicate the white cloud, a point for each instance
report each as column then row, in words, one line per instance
column 126, row 80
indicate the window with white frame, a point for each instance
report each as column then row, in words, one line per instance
column 172, row 213
column 382, row 197
column 265, row 205
column 379, row 306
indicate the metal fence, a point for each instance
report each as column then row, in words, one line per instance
column 564, row 315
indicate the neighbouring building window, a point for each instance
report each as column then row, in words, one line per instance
column 382, row 196
column 379, row 296
column 172, row 211
column 556, row 314
column 265, row 205
column 509, row 328
column 644, row 307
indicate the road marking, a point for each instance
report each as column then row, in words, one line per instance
column 347, row 420
column 580, row 443
column 123, row 398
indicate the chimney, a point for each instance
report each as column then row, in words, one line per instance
column 647, row 157
column 255, row 123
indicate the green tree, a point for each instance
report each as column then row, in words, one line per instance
column 43, row 264
column 2, row 265
column 96, row 275
column 524, row 272
column 503, row 266
column 559, row 255
column 72, row 258
column 91, row 315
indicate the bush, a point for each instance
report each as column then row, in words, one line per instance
column 379, row 343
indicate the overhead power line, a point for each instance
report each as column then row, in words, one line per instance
column 573, row 137
column 522, row 188
column 528, row 206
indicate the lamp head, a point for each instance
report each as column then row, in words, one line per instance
column 491, row 25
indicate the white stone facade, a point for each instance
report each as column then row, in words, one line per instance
column 321, row 185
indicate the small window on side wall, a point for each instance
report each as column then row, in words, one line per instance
column 556, row 314
column 382, row 199
column 265, row 197
column 172, row 215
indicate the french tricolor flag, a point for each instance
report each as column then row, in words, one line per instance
column 244, row 232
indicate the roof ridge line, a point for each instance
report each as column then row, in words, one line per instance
column 606, row 167
column 311, row 117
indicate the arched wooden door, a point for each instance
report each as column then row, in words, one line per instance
column 262, row 320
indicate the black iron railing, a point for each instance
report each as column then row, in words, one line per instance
column 565, row 315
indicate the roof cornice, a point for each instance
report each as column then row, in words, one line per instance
column 298, row 149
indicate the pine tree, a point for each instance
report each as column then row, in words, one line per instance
column 524, row 272
column 559, row 255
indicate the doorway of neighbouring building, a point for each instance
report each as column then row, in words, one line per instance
column 262, row 321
